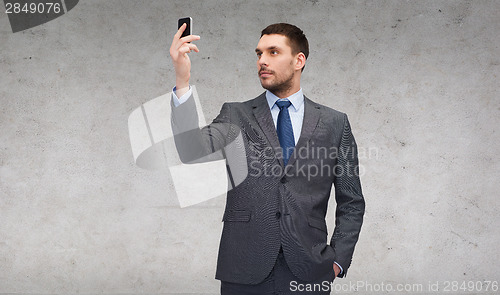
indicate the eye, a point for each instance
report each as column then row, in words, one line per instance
column 274, row 52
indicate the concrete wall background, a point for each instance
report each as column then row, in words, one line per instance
column 419, row 81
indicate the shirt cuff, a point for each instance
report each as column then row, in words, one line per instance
column 341, row 269
column 180, row 100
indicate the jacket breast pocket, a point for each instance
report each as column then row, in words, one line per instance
column 237, row 216
column 318, row 223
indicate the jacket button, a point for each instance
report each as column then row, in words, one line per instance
column 283, row 179
column 278, row 215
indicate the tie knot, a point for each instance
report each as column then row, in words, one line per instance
column 283, row 103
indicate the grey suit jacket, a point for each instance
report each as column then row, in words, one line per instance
column 269, row 205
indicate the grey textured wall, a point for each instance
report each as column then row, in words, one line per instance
column 418, row 79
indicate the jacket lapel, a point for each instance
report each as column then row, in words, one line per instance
column 264, row 118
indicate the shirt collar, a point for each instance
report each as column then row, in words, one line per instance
column 297, row 99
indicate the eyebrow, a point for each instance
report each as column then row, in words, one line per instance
column 268, row 48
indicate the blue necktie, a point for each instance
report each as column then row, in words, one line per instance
column 285, row 130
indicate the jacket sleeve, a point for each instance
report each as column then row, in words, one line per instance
column 195, row 144
column 349, row 198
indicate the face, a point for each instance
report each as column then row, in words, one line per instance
column 277, row 66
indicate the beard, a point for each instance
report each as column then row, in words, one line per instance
column 280, row 84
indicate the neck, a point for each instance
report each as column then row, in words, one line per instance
column 284, row 93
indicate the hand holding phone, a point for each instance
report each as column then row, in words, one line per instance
column 179, row 50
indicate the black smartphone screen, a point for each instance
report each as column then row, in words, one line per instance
column 187, row 21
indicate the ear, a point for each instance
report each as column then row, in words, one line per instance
column 300, row 61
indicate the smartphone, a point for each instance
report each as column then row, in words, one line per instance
column 189, row 28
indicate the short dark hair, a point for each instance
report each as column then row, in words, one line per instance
column 297, row 39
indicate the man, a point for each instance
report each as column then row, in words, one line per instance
column 274, row 239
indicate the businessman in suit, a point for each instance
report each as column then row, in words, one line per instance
column 274, row 239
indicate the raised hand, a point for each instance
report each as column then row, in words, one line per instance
column 179, row 53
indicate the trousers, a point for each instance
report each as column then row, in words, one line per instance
column 281, row 281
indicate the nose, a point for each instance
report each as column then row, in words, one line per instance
column 262, row 61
